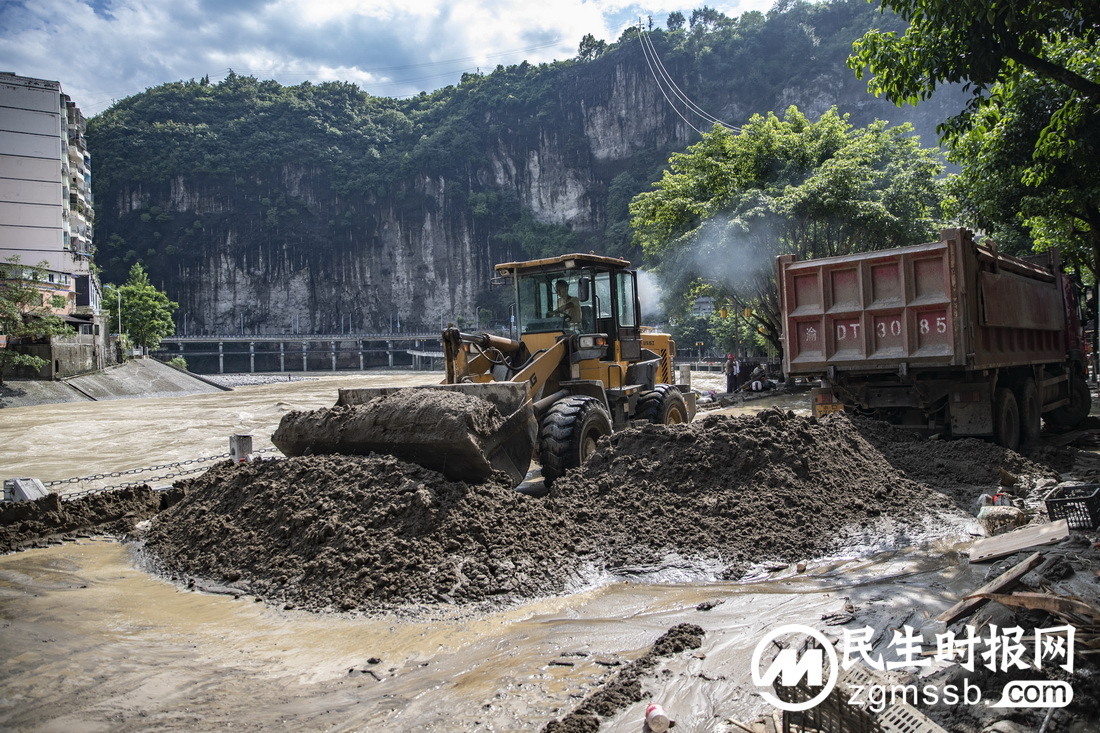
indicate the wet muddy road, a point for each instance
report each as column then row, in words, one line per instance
column 92, row 642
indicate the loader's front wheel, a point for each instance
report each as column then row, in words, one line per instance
column 569, row 433
column 663, row 405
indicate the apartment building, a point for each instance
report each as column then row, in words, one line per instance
column 47, row 214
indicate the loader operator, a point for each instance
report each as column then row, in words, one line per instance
column 568, row 305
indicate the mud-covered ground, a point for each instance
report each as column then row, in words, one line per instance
column 723, row 496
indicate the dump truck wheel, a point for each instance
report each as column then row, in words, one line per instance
column 1006, row 419
column 1070, row 416
column 662, row 405
column 569, row 433
column 1031, row 412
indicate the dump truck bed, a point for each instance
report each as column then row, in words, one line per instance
column 945, row 304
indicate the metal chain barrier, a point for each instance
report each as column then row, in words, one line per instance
column 183, row 468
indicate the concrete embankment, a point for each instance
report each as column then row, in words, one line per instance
column 138, row 378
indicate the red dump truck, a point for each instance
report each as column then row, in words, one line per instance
column 949, row 337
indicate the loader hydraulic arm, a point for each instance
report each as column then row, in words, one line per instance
column 541, row 368
column 460, row 367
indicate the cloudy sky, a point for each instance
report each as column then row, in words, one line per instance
column 104, row 50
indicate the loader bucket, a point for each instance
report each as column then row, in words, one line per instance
column 464, row 431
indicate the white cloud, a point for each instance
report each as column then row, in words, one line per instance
column 103, row 50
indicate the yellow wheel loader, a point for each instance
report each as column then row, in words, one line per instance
column 583, row 366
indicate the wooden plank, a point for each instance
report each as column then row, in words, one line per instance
column 993, row 547
column 740, row 726
column 1005, row 580
column 1073, row 610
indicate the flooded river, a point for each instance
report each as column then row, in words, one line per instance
column 91, row 642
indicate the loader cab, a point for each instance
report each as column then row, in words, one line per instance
column 605, row 289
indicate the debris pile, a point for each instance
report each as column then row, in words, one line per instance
column 362, row 532
column 1051, row 588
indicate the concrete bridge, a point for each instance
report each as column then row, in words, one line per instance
column 236, row 353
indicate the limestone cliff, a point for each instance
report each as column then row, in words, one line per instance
column 287, row 245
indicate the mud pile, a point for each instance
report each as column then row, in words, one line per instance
column 32, row 523
column 771, row 486
column 351, row 532
column 362, row 532
column 965, row 468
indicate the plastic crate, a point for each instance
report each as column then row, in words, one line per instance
column 835, row 715
column 1078, row 505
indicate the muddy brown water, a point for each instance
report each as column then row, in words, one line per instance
column 93, row 642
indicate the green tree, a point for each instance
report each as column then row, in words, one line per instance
column 979, row 42
column 731, row 203
column 1025, row 193
column 590, row 48
column 705, row 19
column 146, row 311
column 26, row 314
column 1027, row 136
column 688, row 331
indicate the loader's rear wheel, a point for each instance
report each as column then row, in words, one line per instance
column 1031, row 412
column 663, row 405
column 1006, row 419
column 569, row 434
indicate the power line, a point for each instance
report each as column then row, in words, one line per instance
column 668, row 86
column 679, row 93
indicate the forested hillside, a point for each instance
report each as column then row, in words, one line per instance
column 265, row 209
